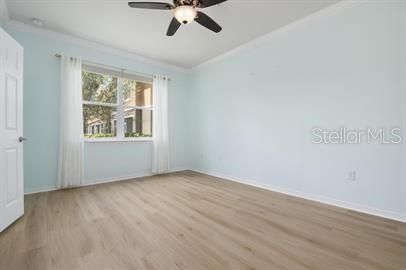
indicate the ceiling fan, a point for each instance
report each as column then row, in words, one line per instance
column 185, row 11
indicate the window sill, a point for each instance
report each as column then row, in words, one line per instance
column 115, row 140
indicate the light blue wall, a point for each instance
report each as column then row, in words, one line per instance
column 3, row 14
column 103, row 161
column 253, row 110
column 2, row 22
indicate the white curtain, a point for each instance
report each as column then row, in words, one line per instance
column 160, row 156
column 71, row 144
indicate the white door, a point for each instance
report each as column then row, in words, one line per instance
column 11, row 130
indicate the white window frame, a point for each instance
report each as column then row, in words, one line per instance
column 120, row 75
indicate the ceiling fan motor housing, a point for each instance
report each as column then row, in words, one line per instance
column 193, row 3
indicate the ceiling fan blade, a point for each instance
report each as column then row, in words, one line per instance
column 150, row 5
column 207, row 22
column 209, row 3
column 173, row 27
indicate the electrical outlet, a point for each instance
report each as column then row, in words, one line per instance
column 352, row 176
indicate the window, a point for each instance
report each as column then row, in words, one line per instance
column 116, row 105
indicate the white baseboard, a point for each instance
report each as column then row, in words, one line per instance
column 39, row 190
column 101, row 181
column 115, row 179
column 317, row 198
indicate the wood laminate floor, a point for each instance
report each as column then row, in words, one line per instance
column 192, row 221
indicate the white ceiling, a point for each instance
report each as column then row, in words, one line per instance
column 143, row 32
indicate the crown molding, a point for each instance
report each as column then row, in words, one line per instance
column 251, row 45
column 3, row 11
column 22, row 27
column 244, row 47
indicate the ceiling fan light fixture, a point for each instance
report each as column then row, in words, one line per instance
column 185, row 14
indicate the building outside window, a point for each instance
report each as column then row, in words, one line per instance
column 116, row 104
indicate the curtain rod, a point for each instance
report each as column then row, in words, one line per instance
column 113, row 67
